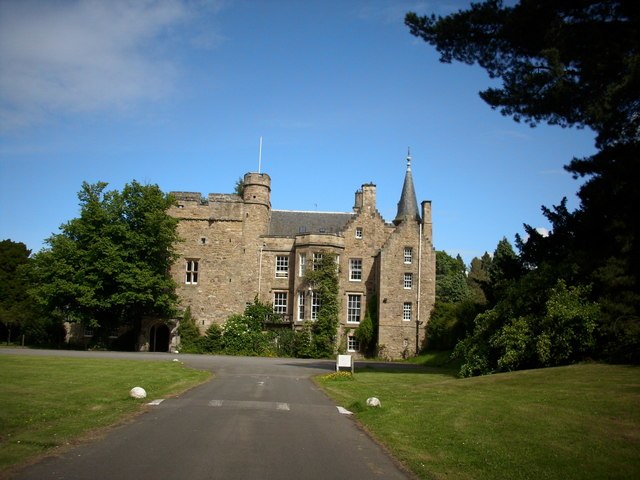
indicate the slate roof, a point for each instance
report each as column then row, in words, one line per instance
column 289, row 223
column 408, row 205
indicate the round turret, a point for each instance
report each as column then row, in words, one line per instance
column 257, row 189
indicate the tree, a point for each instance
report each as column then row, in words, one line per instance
column 14, row 302
column 239, row 187
column 570, row 64
column 505, row 268
column 110, row 266
column 478, row 278
column 451, row 281
column 562, row 62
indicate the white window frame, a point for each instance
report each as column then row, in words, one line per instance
column 282, row 266
column 354, row 307
column 355, row 269
column 408, row 281
column 191, row 272
column 302, row 264
column 301, row 302
column 317, row 258
column 408, row 255
column 315, row 305
column 353, row 344
column 280, row 302
column 407, row 311
column 359, row 232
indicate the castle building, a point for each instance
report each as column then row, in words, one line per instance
column 237, row 247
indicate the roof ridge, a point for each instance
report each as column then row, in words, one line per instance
column 312, row 211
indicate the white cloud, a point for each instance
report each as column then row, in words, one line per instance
column 84, row 55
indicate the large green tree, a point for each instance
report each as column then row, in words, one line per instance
column 568, row 63
column 110, row 266
column 564, row 62
column 451, row 280
column 14, row 302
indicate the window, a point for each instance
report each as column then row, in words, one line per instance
column 280, row 302
column 191, row 275
column 282, row 266
column 353, row 345
column 315, row 305
column 317, row 258
column 300, row 305
column 358, row 232
column 353, row 308
column 355, row 269
column 408, row 254
column 406, row 311
column 302, row 265
column 408, row 280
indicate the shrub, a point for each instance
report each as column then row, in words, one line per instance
column 190, row 338
column 241, row 336
column 212, row 340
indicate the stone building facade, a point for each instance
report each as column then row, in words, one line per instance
column 237, row 247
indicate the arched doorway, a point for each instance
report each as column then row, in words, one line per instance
column 159, row 338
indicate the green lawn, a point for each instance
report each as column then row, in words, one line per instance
column 577, row 422
column 47, row 402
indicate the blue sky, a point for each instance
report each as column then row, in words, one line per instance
column 179, row 92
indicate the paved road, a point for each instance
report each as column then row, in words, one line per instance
column 257, row 419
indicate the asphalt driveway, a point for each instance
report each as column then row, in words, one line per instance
column 258, row 418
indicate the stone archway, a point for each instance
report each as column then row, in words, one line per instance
column 159, row 338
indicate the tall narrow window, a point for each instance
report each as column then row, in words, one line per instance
column 408, row 280
column 282, row 266
column 355, row 269
column 358, row 232
column 408, row 254
column 353, row 308
column 302, row 264
column 315, row 305
column 406, row 311
column 317, row 258
column 280, row 302
column 191, row 273
column 301, row 306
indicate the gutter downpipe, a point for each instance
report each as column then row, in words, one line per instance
column 418, row 300
column 260, row 271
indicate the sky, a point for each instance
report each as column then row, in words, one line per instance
column 178, row 93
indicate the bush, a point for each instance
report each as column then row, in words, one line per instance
column 212, row 340
column 241, row 336
column 190, row 338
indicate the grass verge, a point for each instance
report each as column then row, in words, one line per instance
column 48, row 402
column 577, row 422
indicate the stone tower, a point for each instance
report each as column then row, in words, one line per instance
column 255, row 224
column 407, row 287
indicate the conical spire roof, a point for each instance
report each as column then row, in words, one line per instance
column 408, row 205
